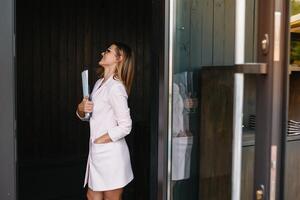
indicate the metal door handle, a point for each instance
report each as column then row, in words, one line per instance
column 240, row 71
column 251, row 68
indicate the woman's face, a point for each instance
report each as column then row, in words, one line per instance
column 109, row 57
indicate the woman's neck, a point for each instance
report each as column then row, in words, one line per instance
column 108, row 73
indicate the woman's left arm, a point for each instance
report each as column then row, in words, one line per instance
column 118, row 100
column 103, row 139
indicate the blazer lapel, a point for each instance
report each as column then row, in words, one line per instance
column 100, row 87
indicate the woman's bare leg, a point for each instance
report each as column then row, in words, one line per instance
column 113, row 194
column 94, row 195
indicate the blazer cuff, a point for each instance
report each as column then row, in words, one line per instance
column 112, row 135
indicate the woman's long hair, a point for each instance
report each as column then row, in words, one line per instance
column 125, row 69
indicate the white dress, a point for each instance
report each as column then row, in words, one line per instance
column 108, row 165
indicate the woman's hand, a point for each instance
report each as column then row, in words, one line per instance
column 103, row 139
column 85, row 106
column 191, row 103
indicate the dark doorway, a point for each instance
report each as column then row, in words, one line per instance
column 54, row 40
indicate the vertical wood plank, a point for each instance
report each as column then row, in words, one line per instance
column 196, row 33
column 292, row 173
column 71, row 136
column 218, row 32
column 229, row 33
column 36, row 66
column 182, row 36
column 50, row 62
column 20, row 24
column 216, row 122
column 247, row 173
column 44, row 67
column 249, row 34
column 28, row 70
column 80, row 24
column 51, row 79
column 207, row 36
column 62, row 78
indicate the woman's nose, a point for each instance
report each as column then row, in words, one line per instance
column 102, row 54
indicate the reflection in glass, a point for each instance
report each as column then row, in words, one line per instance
column 293, row 127
column 294, row 68
column 203, row 39
column 185, row 105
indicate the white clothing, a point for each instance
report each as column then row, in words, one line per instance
column 108, row 165
column 178, row 108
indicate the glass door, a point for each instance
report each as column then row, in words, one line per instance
column 225, row 125
column 292, row 161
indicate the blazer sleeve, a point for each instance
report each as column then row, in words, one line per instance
column 118, row 100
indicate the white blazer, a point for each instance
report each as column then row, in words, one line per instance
column 108, row 165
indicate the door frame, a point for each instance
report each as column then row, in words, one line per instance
column 7, row 99
column 273, row 19
column 160, row 37
column 272, row 101
column 286, row 37
column 273, row 108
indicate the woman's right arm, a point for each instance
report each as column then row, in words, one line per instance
column 85, row 106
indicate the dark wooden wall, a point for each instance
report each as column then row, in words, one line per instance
column 216, row 117
column 216, row 130
column 54, row 40
column 294, row 96
column 292, row 161
column 216, row 139
column 292, row 172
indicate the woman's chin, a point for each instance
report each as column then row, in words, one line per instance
column 101, row 65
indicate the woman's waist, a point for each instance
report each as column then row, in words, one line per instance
column 101, row 124
column 119, row 145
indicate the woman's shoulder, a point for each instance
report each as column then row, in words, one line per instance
column 115, row 82
column 117, row 86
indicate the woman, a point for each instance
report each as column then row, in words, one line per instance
column 108, row 166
